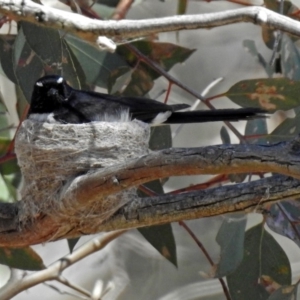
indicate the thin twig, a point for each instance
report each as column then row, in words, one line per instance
column 73, row 286
column 121, row 9
column 53, row 272
column 183, row 86
column 197, row 102
column 278, row 37
column 206, row 254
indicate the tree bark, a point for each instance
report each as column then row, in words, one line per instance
column 280, row 158
column 91, row 29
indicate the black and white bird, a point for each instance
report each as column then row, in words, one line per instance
column 53, row 100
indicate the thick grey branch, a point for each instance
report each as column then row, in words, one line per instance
column 225, row 159
column 91, row 29
column 84, row 192
column 251, row 196
column 169, row 208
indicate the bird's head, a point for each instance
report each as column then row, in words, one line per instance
column 48, row 94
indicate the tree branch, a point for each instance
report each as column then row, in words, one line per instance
column 53, row 272
column 223, row 159
column 91, row 29
column 280, row 158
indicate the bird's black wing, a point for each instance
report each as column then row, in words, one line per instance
column 91, row 106
column 96, row 107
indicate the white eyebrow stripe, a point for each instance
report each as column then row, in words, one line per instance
column 60, row 80
column 40, row 84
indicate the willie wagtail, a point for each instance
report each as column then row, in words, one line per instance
column 53, row 100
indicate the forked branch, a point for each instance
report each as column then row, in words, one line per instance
column 280, row 158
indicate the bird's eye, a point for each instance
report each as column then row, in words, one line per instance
column 60, row 80
column 40, row 84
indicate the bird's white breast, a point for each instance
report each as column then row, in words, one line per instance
column 49, row 118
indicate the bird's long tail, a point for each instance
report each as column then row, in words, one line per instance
column 202, row 116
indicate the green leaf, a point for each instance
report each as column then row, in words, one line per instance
column 12, row 177
column 5, row 194
column 72, row 243
column 22, row 102
column 162, row 239
column 286, row 130
column 285, row 293
column 9, row 167
column 231, row 240
column 263, row 256
column 71, row 68
column 118, row 79
column 103, row 11
column 18, row 46
column 166, row 55
column 4, row 143
column 256, row 127
column 54, row 53
column 5, row 127
column 3, row 110
column 96, row 64
column 21, row 258
column 45, row 42
column 160, row 137
column 6, row 56
column 225, row 137
column 283, row 219
column 290, row 58
column 11, row 189
column 27, row 66
column 141, row 83
column 251, row 48
column 270, row 94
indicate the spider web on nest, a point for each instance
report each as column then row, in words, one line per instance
column 53, row 155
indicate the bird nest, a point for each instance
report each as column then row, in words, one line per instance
column 51, row 156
